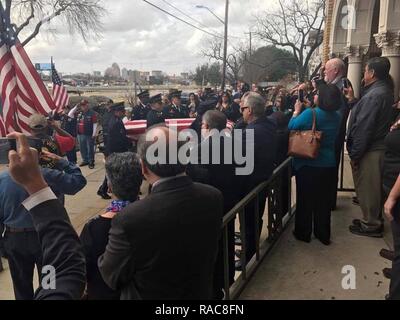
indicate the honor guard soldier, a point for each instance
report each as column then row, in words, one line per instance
column 155, row 115
column 142, row 109
column 118, row 141
column 176, row 110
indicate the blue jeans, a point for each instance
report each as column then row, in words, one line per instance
column 86, row 144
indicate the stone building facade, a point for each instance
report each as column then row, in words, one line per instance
column 362, row 29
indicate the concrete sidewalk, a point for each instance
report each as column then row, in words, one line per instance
column 300, row 271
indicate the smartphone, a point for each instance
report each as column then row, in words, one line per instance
column 6, row 145
column 345, row 83
column 301, row 95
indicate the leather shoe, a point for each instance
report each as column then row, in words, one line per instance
column 387, row 254
column 104, row 196
column 357, row 223
column 84, row 164
column 91, row 166
column 238, row 265
column 357, row 230
column 238, row 239
column 387, row 273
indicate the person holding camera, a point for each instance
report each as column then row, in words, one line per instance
column 59, row 243
column 21, row 241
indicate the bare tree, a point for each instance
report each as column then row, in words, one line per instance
column 29, row 16
column 296, row 25
column 235, row 59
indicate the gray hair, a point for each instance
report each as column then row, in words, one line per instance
column 215, row 120
column 256, row 103
column 339, row 64
column 124, row 174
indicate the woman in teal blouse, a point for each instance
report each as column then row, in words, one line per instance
column 314, row 178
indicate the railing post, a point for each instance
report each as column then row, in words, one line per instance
column 244, row 244
column 257, row 225
column 225, row 246
column 290, row 188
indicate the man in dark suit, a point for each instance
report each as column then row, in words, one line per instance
column 141, row 110
column 221, row 176
column 155, row 115
column 176, row 110
column 156, row 246
column 263, row 142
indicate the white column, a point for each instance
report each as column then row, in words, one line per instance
column 355, row 71
column 389, row 42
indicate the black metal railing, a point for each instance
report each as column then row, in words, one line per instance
column 280, row 210
column 341, row 186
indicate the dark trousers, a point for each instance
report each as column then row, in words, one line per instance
column 314, row 194
column 395, row 282
column 219, row 278
column 71, row 156
column 23, row 253
column 104, row 186
column 250, row 218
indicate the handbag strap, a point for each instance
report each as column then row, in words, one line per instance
column 314, row 125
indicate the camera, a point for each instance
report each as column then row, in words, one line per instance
column 6, row 145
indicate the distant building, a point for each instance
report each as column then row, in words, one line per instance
column 97, row 74
column 144, row 76
column 157, row 74
column 124, row 74
column 185, row 76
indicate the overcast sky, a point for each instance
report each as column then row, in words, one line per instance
column 138, row 36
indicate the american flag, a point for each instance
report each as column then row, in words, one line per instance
column 60, row 93
column 23, row 92
column 138, row 127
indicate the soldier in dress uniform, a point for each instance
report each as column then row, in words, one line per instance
column 155, row 115
column 140, row 111
column 118, row 141
column 176, row 110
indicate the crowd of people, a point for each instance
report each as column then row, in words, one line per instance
column 168, row 244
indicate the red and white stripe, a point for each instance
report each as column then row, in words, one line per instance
column 179, row 124
column 9, row 89
column 138, row 127
column 60, row 97
column 31, row 81
column 135, row 129
column 3, row 131
column 23, row 92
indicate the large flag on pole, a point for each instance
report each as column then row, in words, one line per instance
column 23, row 92
column 60, row 93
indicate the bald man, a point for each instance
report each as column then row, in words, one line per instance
column 157, row 249
column 335, row 70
